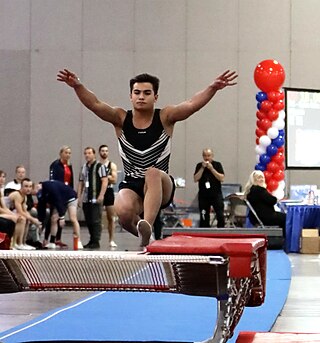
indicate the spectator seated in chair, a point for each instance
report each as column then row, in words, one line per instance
column 263, row 202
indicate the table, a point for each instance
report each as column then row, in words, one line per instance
column 299, row 217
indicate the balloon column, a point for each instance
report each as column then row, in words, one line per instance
column 269, row 76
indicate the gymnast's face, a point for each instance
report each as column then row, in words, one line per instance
column 142, row 96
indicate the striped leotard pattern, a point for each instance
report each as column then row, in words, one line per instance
column 141, row 149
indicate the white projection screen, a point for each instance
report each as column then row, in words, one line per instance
column 302, row 129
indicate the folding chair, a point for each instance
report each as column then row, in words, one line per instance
column 238, row 210
column 255, row 214
column 274, row 242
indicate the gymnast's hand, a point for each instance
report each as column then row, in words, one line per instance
column 225, row 80
column 70, row 78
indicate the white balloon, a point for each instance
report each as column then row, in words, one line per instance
column 260, row 149
column 278, row 193
column 264, row 141
column 279, row 124
column 282, row 114
column 282, row 184
column 272, row 132
column 258, row 158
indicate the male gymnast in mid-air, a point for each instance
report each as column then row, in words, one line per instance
column 144, row 137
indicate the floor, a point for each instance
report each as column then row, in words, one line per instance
column 301, row 312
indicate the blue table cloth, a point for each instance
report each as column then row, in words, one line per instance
column 299, row 217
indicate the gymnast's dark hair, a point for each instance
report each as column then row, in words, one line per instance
column 146, row 78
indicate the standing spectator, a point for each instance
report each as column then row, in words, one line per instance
column 108, row 201
column 209, row 174
column 60, row 198
column 61, row 170
column 93, row 182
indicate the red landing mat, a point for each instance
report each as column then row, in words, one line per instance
column 277, row 337
column 71, row 341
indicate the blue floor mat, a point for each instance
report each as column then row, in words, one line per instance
column 131, row 316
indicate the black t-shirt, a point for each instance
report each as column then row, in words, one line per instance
column 207, row 176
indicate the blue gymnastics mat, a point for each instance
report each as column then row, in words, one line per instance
column 152, row 317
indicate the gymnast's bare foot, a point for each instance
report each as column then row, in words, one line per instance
column 144, row 232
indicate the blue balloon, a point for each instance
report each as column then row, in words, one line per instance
column 258, row 105
column 264, row 159
column 272, row 150
column 278, row 142
column 261, row 96
column 259, row 166
column 281, row 133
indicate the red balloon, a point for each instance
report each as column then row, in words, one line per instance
column 281, row 149
column 259, row 132
column 273, row 96
column 265, row 124
column 278, row 175
column 273, row 167
column 261, row 124
column 278, row 157
column 257, row 141
column 279, row 106
column 266, row 106
column 272, row 185
column 273, row 115
column 269, row 75
column 260, row 115
column 267, row 175
column 280, row 95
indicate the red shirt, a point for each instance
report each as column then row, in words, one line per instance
column 67, row 174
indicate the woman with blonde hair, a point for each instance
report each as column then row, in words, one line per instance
column 263, row 202
column 61, row 170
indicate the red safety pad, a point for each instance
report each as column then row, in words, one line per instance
column 4, row 241
column 277, row 337
column 239, row 247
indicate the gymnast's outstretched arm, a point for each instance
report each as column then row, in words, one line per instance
column 113, row 115
column 185, row 109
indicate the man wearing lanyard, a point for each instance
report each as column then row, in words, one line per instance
column 209, row 174
column 93, row 182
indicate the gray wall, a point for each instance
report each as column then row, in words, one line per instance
column 187, row 43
